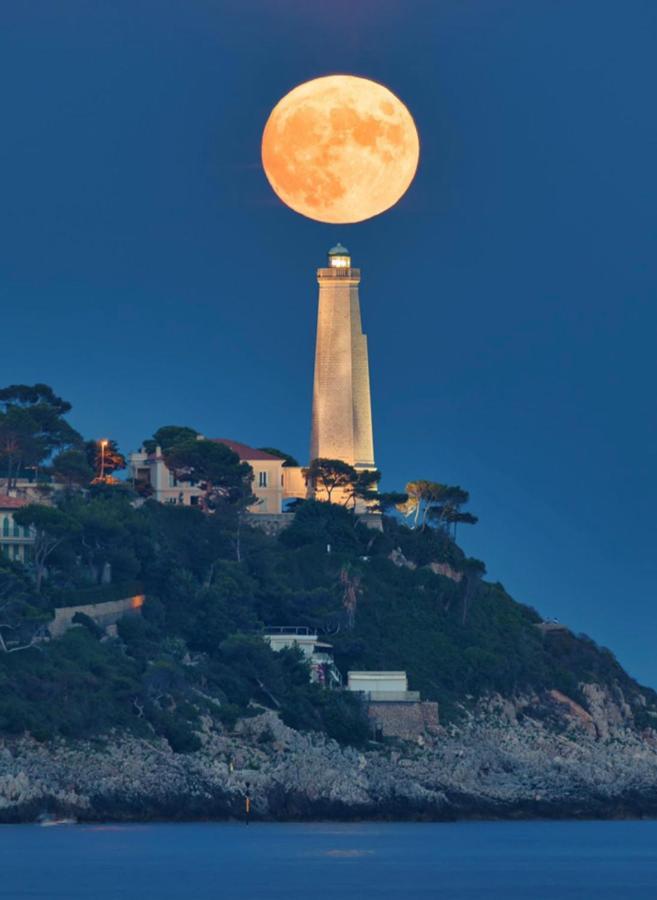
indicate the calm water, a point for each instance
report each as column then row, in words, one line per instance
column 534, row 860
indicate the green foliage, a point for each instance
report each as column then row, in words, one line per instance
column 51, row 527
column 214, row 467
column 32, row 427
column 429, row 502
column 46, row 519
column 177, row 731
column 102, row 593
column 384, row 502
column 342, row 717
column 330, row 475
column 168, row 436
column 197, row 649
column 103, row 457
column 78, row 687
column 324, row 524
column 23, row 613
column 87, row 622
column 71, row 468
column 289, row 459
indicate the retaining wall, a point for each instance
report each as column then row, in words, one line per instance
column 408, row 721
column 103, row 614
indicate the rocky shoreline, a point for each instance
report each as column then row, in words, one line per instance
column 498, row 764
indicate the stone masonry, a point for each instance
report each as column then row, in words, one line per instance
column 342, row 416
column 409, row 721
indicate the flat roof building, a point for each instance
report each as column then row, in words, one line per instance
column 317, row 653
column 382, row 687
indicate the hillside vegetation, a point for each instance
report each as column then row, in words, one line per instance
column 197, row 649
column 406, row 597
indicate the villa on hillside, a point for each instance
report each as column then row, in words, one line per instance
column 32, row 484
column 273, row 482
column 318, row 654
column 15, row 541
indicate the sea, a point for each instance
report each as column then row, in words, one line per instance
column 224, row 861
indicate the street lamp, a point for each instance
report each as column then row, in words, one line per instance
column 103, row 446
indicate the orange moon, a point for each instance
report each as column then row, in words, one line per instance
column 340, row 149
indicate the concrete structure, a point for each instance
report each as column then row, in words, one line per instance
column 105, row 615
column 409, row 721
column 15, row 541
column 382, row 687
column 392, row 709
column 341, row 415
column 272, row 481
column 294, row 483
column 271, row 523
column 31, row 485
column 317, row 653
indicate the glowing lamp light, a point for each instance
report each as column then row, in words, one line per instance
column 339, row 257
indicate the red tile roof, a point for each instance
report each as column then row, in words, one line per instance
column 246, row 452
column 12, row 502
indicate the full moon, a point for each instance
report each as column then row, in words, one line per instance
column 340, row 149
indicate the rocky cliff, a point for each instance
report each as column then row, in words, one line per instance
column 533, row 756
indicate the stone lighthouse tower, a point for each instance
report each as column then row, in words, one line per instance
column 342, row 413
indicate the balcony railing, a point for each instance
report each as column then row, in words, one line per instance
column 288, row 629
column 390, row 696
column 338, row 272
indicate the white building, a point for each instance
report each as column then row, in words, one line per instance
column 382, row 687
column 273, row 482
column 317, row 653
column 15, row 540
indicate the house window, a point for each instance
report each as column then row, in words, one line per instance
column 5, row 526
column 262, row 479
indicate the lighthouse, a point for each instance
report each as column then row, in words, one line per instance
column 342, row 413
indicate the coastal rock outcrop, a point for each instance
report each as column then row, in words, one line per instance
column 503, row 760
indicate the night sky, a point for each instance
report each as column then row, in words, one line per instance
column 150, row 275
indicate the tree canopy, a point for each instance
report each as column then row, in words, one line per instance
column 327, row 476
column 104, row 458
column 403, row 597
column 32, row 428
column 430, row 502
column 214, row 467
column 72, row 469
column 289, row 459
column 168, row 436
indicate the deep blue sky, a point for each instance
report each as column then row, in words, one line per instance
column 150, row 275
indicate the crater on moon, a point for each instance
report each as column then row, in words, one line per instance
column 340, row 149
